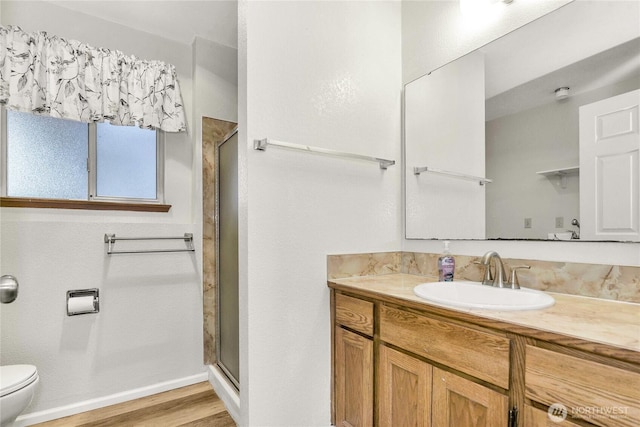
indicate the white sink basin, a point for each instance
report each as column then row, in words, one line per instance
column 475, row 295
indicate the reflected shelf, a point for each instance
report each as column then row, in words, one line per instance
column 561, row 173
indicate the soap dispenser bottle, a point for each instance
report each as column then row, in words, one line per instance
column 446, row 265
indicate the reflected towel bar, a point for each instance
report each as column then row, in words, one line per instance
column 110, row 239
column 480, row 180
column 261, row 145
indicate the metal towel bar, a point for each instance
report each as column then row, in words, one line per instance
column 479, row 179
column 110, row 239
column 261, row 145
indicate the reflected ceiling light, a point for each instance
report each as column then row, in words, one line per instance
column 480, row 6
column 476, row 15
column 562, row 92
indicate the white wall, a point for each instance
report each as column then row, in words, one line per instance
column 149, row 329
column 434, row 28
column 325, row 74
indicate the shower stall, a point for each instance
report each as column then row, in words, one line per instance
column 220, row 249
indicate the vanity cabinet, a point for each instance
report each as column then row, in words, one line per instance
column 398, row 362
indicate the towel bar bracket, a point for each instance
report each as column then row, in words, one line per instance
column 260, row 144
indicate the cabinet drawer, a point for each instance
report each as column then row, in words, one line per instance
column 479, row 354
column 354, row 313
column 601, row 394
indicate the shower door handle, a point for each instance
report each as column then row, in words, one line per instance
column 8, row 289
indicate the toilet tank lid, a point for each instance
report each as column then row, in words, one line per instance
column 15, row 377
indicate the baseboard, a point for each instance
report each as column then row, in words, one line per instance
column 225, row 391
column 101, row 402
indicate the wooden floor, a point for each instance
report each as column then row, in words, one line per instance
column 192, row 406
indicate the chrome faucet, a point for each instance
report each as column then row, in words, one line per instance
column 499, row 280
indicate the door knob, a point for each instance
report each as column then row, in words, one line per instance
column 8, row 289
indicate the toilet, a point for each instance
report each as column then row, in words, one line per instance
column 17, row 387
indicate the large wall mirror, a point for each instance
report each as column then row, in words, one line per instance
column 532, row 136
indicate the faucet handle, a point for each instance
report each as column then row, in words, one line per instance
column 514, row 277
column 488, row 277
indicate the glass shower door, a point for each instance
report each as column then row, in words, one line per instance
column 227, row 336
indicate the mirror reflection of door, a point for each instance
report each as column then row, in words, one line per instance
column 609, row 161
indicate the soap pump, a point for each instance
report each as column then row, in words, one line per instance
column 446, row 264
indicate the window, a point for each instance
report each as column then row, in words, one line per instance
column 46, row 157
column 49, row 158
column 126, row 163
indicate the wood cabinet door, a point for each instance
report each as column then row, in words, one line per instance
column 404, row 390
column 463, row 403
column 353, row 379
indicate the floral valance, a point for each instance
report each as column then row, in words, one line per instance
column 49, row 75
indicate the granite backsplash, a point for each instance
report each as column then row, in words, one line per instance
column 613, row 282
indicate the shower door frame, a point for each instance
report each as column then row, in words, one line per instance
column 234, row 381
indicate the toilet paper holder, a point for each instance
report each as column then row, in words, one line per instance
column 74, row 310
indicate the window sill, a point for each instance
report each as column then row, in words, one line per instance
column 20, row 202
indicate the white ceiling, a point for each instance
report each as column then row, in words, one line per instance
column 568, row 47
column 569, row 34
column 178, row 20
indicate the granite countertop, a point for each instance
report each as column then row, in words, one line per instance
column 610, row 328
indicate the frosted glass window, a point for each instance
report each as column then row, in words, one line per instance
column 46, row 157
column 126, row 162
